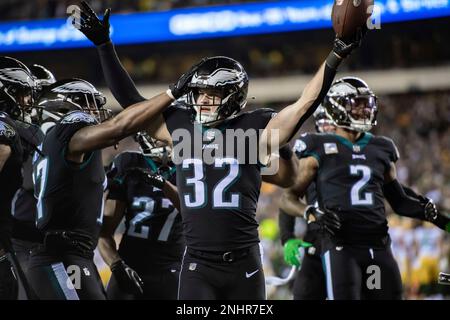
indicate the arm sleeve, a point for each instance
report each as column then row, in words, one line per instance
column 328, row 77
column 117, row 78
column 116, row 181
column 401, row 202
column 286, row 224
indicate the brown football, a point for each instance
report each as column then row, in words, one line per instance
column 348, row 15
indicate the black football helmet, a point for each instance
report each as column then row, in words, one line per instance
column 322, row 120
column 17, row 88
column 225, row 76
column 42, row 76
column 351, row 104
column 70, row 95
column 155, row 149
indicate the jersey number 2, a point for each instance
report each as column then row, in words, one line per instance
column 357, row 197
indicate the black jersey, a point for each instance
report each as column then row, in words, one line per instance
column 350, row 180
column 218, row 189
column 24, row 203
column 70, row 195
column 10, row 175
column 153, row 225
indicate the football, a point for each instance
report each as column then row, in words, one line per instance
column 348, row 15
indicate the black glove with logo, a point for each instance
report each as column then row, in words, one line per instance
column 128, row 279
column 92, row 27
column 180, row 88
column 342, row 47
column 149, row 177
column 433, row 215
column 327, row 220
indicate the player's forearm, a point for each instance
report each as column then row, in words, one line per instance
column 117, row 78
column 401, row 203
column 133, row 119
column 5, row 152
column 107, row 248
column 286, row 224
column 291, row 204
column 289, row 120
column 171, row 192
column 286, row 173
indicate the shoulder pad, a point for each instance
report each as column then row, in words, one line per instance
column 78, row 117
column 6, row 130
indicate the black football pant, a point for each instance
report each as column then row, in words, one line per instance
column 23, row 250
column 65, row 277
column 159, row 284
column 226, row 276
column 355, row 273
column 309, row 283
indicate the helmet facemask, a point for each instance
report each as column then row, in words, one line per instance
column 225, row 83
column 351, row 105
column 17, row 93
column 71, row 95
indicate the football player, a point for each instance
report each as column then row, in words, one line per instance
column 16, row 99
column 69, row 182
column 354, row 171
column 309, row 283
column 219, row 197
column 152, row 244
column 25, row 235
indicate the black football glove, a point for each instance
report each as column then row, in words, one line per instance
column 327, row 220
column 344, row 46
column 8, row 280
column 149, row 177
column 180, row 88
column 433, row 215
column 128, row 279
column 92, row 27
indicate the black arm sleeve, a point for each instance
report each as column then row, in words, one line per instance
column 328, row 78
column 403, row 204
column 117, row 78
column 287, row 225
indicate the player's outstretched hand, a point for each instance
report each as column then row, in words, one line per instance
column 294, row 251
column 180, row 88
column 327, row 219
column 344, row 46
column 91, row 26
column 128, row 279
column 433, row 215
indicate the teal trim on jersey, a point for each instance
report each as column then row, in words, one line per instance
column 311, row 154
column 362, row 142
column 151, row 164
column 74, row 165
column 119, row 180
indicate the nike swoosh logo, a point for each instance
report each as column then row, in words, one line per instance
column 248, row 275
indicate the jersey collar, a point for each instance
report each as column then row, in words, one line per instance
column 361, row 142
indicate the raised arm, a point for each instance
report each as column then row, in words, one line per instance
column 141, row 116
column 288, row 121
column 117, row 78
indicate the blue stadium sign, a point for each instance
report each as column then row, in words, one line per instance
column 207, row 22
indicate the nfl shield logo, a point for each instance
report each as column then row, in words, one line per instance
column 192, row 266
column 356, row 148
column 330, row 148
